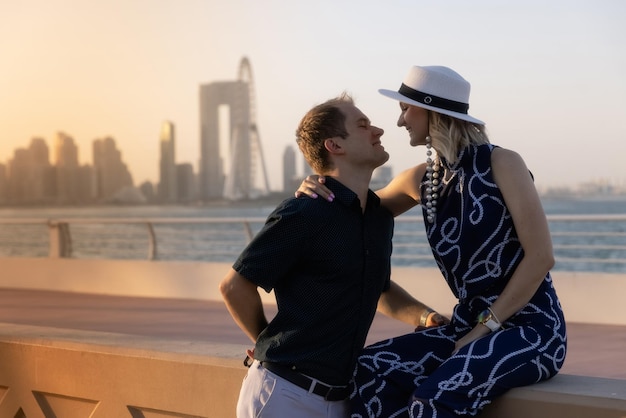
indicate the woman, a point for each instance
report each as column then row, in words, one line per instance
column 490, row 238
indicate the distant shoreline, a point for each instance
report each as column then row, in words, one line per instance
column 274, row 199
column 585, row 197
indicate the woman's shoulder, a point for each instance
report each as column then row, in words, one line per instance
column 509, row 164
column 504, row 156
column 496, row 153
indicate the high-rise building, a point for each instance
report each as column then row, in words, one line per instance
column 86, row 184
column 167, row 188
column 39, row 152
column 289, row 168
column 306, row 168
column 44, row 187
column 381, row 177
column 19, row 176
column 186, row 180
column 235, row 95
column 65, row 151
column 30, row 178
column 242, row 174
column 67, row 169
column 147, row 190
column 111, row 174
column 4, row 196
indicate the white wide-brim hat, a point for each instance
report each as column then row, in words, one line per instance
column 435, row 88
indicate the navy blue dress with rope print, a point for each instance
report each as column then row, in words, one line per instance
column 477, row 250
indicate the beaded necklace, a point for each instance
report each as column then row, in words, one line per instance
column 432, row 182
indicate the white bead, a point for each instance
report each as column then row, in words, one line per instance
column 432, row 183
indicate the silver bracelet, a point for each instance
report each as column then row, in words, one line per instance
column 495, row 317
column 424, row 316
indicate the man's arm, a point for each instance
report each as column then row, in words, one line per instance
column 244, row 303
column 397, row 303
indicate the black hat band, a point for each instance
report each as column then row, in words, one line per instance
column 435, row 101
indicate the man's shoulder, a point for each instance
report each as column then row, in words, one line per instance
column 304, row 205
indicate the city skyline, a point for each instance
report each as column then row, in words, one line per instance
column 32, row 177
column 50, row 174
column 546, row 77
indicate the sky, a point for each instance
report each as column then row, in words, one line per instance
column 548, row 77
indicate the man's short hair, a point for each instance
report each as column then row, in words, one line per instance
column 324, row 121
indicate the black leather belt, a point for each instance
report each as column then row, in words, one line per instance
column 330, row 393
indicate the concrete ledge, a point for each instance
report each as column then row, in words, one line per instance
column 564, row 396
column 584, row 296
column 46, row 372
column 66, row 373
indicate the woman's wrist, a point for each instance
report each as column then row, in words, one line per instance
column 489, row 319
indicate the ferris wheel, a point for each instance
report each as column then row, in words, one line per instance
column 248, row 174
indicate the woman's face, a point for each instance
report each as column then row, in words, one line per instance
column 415, row 120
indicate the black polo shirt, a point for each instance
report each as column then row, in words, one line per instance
column 327, row 263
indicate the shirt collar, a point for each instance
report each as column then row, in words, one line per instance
column 347, row 196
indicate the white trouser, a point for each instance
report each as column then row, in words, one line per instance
column 266, row 395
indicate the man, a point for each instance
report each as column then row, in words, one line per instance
column 329, row 267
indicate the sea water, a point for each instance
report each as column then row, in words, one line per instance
column 579, row 245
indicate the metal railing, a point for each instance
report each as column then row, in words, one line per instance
column 581, row 242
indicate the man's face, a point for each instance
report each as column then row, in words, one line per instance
column 363, row 144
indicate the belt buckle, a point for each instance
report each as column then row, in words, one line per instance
column 313, row 389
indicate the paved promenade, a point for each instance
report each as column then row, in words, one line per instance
column 594, row 350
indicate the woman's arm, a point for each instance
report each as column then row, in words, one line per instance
column 400, row 195
column 521, row 198
column 403, row 191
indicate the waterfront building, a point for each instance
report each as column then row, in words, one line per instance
column 306, row 168
column 233, row 94
column 111, row 173
column 147, row 190
column 381, row 177
column 30, row 174
column 231, row 168
column 186, row 183
column 289, row 169
column 3, row 184
column 19, row 176
column 73, row 183
column 168, row 184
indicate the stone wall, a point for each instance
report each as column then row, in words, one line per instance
column 54, row 373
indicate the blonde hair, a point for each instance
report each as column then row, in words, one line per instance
column 450, row 135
